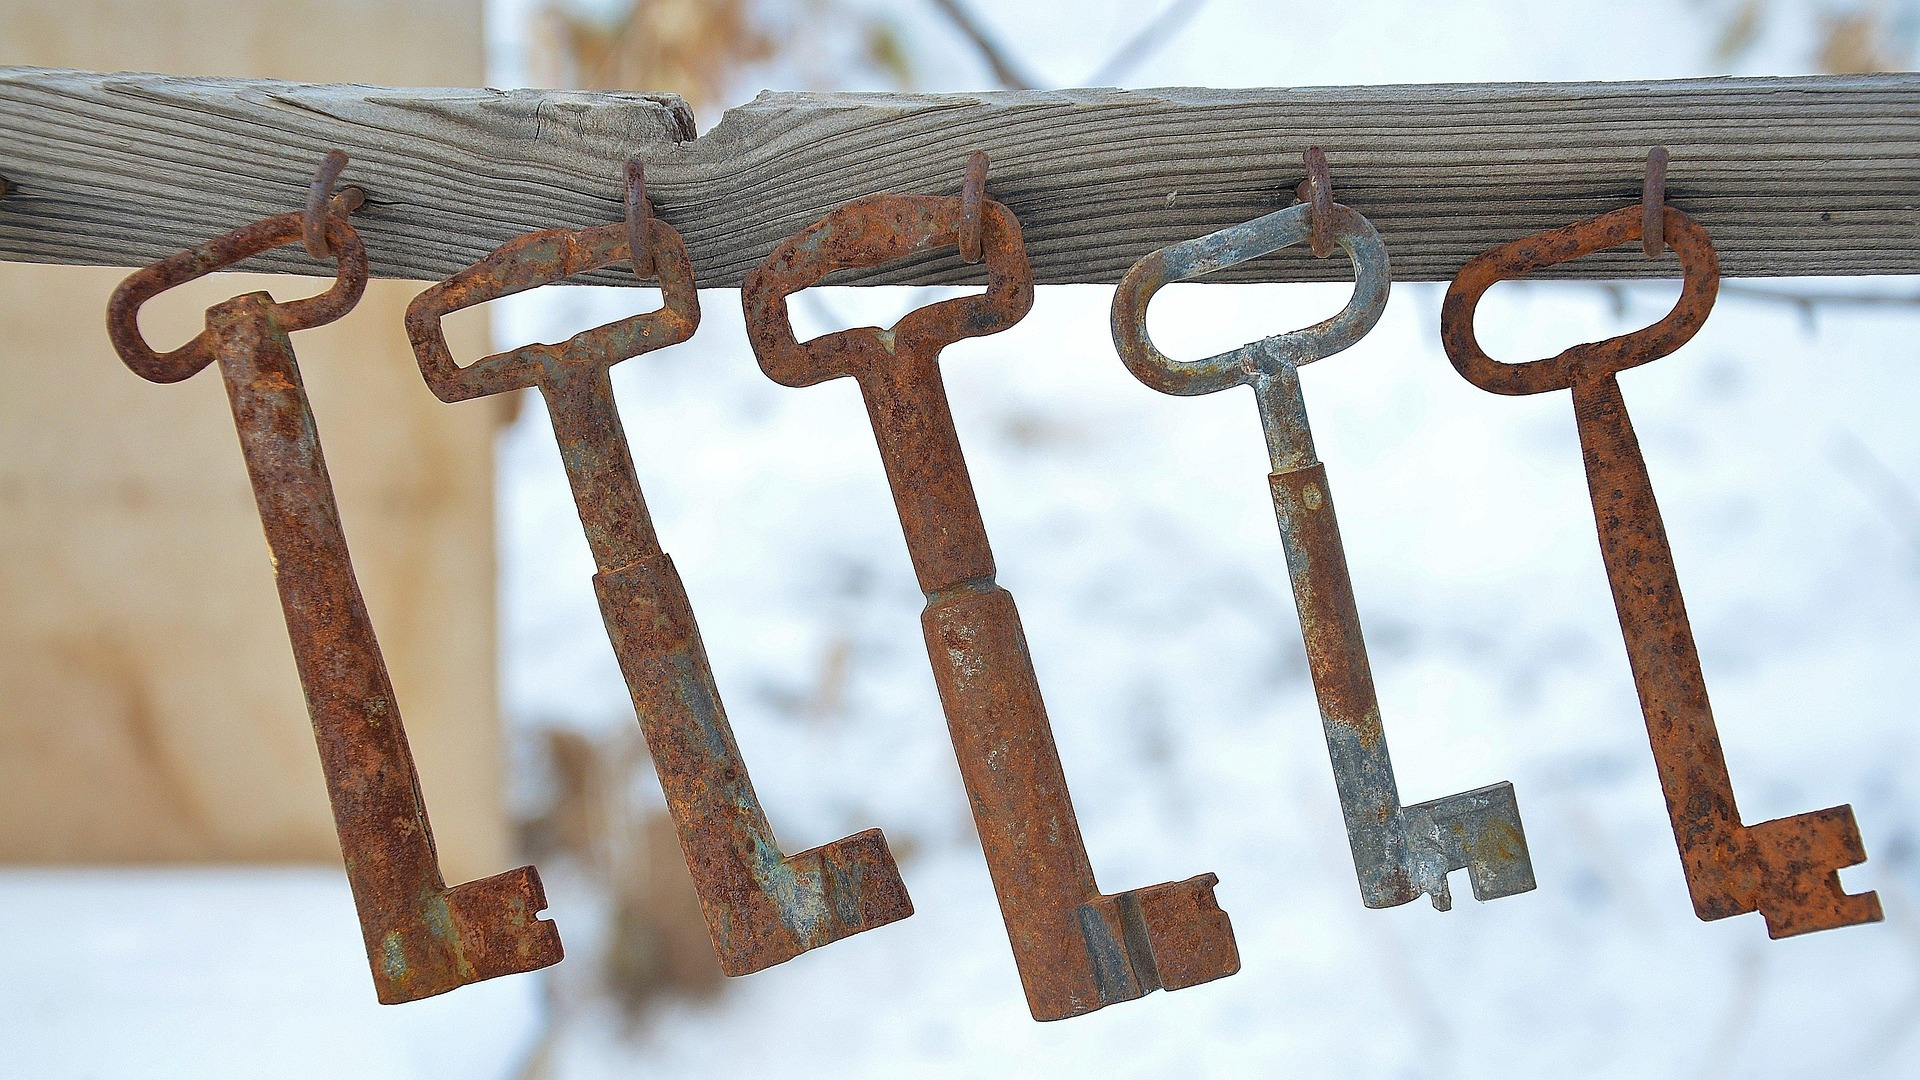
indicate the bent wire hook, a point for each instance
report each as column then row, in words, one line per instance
column 1399, row 852
column 762, row 908
column 1077, row 949
column 422, row 938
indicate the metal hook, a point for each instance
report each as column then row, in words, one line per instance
column 639, row 221
column 1317, row 189
column 1653, row 200
column 321, row 202
column 973, row 192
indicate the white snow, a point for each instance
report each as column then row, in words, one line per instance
column 1136, row 532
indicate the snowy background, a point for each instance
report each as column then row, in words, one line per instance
column 1136, row 531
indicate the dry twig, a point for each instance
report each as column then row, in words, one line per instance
column 1150, row 39
column 998, row 60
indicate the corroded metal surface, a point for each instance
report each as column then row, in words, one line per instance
column 1077, row 950
column 422, row 937
column 973, row 193
column 1399, row 852
column 639, row 220
column 762, row 907
column 1653, row 204
column 1317, row 190
column 1786, row 869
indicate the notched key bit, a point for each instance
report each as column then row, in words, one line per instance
column 1787, row 869
column 422, row 938
column 762, row 907
column 1399, row 852
column 1077, row 949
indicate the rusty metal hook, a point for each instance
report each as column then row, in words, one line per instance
column 639, row 220
column 322, row 203
column 422, row 937
column 1399, row 851
column 973, row 192
column 1317, row 189
column 1787, row 869
column 1076, row 948
column 1653, row 200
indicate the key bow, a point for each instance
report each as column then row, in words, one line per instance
column 1217, row 251
column 123, row 310
column 1698, row 261
column 871, row 231
column 544, row 258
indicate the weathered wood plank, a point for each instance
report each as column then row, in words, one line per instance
column 1815, row 176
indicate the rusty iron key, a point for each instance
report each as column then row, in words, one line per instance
column 1399, row 852
column 1077, row 949
column 422, row 937
column 762, row 908
column 1786, row 869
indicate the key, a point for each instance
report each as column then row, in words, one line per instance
column 1399, row 852
column 762, row 908
column 1786, row 869
column 422, row 937
column 1077, row 949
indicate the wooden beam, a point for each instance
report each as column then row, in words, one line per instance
column 1797, row 176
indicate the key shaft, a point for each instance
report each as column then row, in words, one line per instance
column 1786, row 869
column 1399, row 852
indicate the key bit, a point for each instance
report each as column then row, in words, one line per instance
column 1077, row 949
column 1399, row 852
column 422, row 938
column 762, row 908
column 1785, row 869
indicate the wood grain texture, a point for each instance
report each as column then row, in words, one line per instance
column 1805, row 176
column 123, row 169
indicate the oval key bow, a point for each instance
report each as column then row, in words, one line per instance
column 1217, row 251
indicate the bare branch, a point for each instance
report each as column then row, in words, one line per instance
column 1889, row 491
column 1152, row 38
column 1806, row 303
column 1816, row 299
column 1003, row 66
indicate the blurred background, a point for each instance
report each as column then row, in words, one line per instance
column 167, row 851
